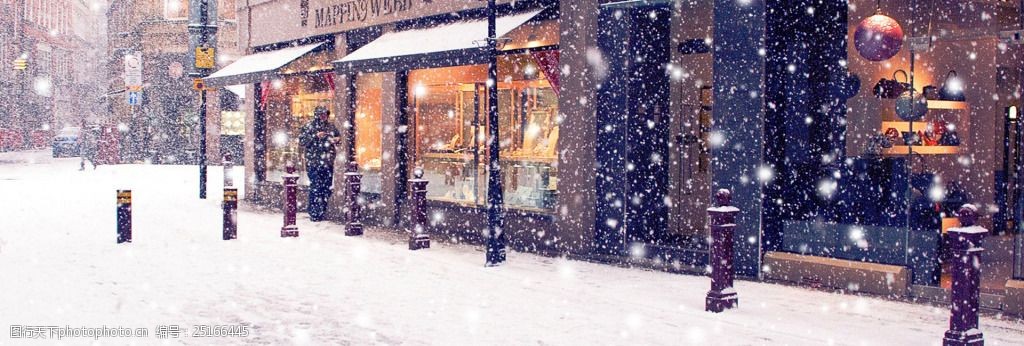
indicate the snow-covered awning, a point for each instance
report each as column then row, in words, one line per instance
column 453, row 44
column 255, row 67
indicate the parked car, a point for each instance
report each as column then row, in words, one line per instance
column 65, row 143
column 11, row 139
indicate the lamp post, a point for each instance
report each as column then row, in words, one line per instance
column 202, row 29
column 495, row 192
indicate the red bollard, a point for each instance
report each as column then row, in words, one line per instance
column 723, row 224
column 291, row 183
column 124, row 216
column 966, row 246
column 418, row 237
column 355, row 185
column 230, row 206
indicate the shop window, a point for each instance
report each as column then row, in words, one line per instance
column 369, row 130
column 449, row 113
column 232, row 123
column 290, row 106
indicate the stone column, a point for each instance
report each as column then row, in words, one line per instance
column 389, row 149
column 576, row 155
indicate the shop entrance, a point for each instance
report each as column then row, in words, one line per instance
column 651, row 162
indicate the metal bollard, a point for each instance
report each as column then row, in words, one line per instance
column 418, row 237
column 124, row 216
column 355, row 185
column 722, row 295
column 291, row 183
column 230, row 206
column 229, row 168
column 966, row 246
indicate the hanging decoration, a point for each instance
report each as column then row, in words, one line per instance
column 878, row 37
column 548, row 62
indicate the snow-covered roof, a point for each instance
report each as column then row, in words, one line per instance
column 448, row 37
column 261, row 62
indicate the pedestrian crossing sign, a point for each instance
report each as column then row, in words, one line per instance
column 134, row 98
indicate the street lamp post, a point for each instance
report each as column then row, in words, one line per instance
column 495, row 191
column 202, row 28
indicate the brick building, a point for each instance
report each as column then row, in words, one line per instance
column 48, row 34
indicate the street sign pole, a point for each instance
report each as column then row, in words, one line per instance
column 202, row 41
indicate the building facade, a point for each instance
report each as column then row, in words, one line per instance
column 48, row 93
column 164, row 125
column 618, row 119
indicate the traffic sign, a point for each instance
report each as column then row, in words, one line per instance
column 133, row 70
column 205, row 57
column 134, row 98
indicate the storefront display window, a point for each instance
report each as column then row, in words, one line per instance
column 449, row 112
column 925, row 133
column 369, row 130
column 290, row 106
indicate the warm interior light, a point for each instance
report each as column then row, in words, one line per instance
column 1011, row 113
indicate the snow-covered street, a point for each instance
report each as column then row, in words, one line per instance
column 60, row 266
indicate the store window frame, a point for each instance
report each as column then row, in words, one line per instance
column 547, row 203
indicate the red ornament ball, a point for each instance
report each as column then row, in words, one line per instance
column 878, row 37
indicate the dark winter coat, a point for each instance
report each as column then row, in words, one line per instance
column 88, row 144
column 319, row 151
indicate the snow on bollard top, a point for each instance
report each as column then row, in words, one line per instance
column 723, row 201
column 968, row 217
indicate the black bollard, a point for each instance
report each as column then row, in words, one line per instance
column 722, row 295
column 418, row 237
column 354, row 181
column 230, row 206
column 291, row 185
column 966, row 241
column 124, row 216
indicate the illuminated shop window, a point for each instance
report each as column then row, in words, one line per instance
column 369, row 130
column 449, row 113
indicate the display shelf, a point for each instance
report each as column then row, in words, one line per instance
column 922, row 149
column 953, row 105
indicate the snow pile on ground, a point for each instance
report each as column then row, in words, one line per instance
column 60, row 266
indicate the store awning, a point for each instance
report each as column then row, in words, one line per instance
column 256, row 67
column 451, row 44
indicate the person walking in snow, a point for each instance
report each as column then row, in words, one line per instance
column 88, row 147
column 319, row 138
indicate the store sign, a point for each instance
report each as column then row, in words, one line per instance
column 309, row 18
column 335, row 13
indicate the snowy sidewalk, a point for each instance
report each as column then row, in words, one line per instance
column 59, row 265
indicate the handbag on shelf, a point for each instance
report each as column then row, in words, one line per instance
column 950, row 138
column 930, row 138
column 911, row 108
column 911, row 138
column 950, row 92
column 892, row 88
column 893, row 135
column 931, row 92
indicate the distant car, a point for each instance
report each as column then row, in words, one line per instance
column 65, row 143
